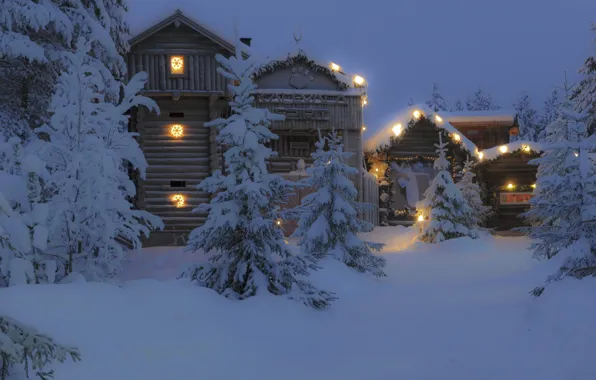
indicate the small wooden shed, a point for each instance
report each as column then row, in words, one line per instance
column 402, row 154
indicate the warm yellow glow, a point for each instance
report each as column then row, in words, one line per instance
column 179, row 199
column 177, row 64
column 278, row 222
column 503, row 148
column 397, row 129
column 576, row 154
column 526, row 148
column 510, row 186
column 533, row 186
column 420, row 218
column 335, row 66
column 456, row 137
column 376, row 175
column 364, row 102
column 438, row 118
column 364, row 127
column 480, row 155
column 377, row 169
column 176, row 130
column 358, row 80
column 417, row 114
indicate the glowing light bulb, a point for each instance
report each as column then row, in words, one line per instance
column 397, row 129
column 358, row 80
column 417, row 114
column 533, row 186
column 576, row 154
column 503, row 148
column 278, row 222
column 335, row 67
column 364, row 128
column 377, row 169
column 456, row 137
column 438, row 118
column 510, row 186
column 526, row 148
column 364, row 102
column 480, row 155
column 420, row 218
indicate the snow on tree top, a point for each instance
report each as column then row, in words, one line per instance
column 343, row 80
column 441, row 120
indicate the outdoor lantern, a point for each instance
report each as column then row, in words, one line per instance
column 177, row 65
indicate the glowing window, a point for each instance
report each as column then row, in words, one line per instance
column 177, row 65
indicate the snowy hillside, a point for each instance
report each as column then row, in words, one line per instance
column 458, row 310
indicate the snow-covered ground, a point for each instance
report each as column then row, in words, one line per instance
column 459, row 310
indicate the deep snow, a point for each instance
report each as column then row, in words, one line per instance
column 457, row 310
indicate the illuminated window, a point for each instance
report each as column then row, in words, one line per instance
column 177, row 65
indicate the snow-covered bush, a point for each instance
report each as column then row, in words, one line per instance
column 446, row 213
column 89, row 145
column 471, row 193
column 563, row 210
column 249, row 252
column 23, row 346
column 329, row 223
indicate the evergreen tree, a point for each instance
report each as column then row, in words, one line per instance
column 329, row 223
column 549, row 114
column 585, row 93
column 448, row 216
column 562, row 213
column 25, row 347
column 249, row 253
column 471, row 193
column 459, row 106
column 436, row 102
column 89, row 145
column 481, row 101
column 526, row 117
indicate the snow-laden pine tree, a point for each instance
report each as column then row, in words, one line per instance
column 526, row 116
column 24, row 349
column 471, row 193
column 585, row 93
column 87, row 150
column 562, row 213
column 249, row 254
column 550, row 112
column 481, row 101
column 436, row 102
column 329, row 223
column 446, row 213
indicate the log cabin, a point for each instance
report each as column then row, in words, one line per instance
column 178, row 53
column 402, row 155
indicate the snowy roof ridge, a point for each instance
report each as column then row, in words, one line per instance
column 178, row 15
column 287, row 60
column 407, row 120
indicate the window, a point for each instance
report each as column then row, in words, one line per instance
column 177, row 65
column 177, row 183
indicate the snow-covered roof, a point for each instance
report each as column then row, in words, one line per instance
column 499, row 116
column 343, row 80
column 407, row 120
column 145, row 18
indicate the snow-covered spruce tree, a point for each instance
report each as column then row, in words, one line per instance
column 24, row 349
column 471, row 193
column 436, row 102
column 249, row 252
column 88, row 145
column 481, row 101
column 562, row 212
column 585, row 93
column 23, row 215
column 550, row 112
column 329, row 223
column 526, row 116
column 446, row 213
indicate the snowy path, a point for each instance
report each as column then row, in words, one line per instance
column 458, row 310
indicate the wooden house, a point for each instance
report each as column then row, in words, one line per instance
column 178, row 54
column 402, row 156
